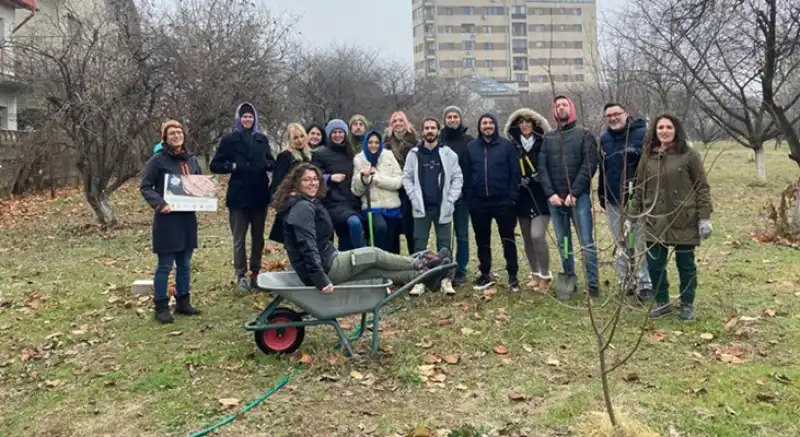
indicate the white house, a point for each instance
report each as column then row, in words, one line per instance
column 10, row 85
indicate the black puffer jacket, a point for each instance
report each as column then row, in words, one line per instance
column 532, row 201
column 308, row 235
column 491, row 169
column 457, row 139
column 340, row 201
column 568, row 161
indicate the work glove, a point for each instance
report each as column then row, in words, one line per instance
column 705, row 228
column 524, row 181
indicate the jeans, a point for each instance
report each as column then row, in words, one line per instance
column 615, row 223
column 534, row 236
column 372, row 263
column 461, row 225
column 504, row 213
column 240, row 220
column 581, row 216
column 687, row 271
column 182, row 262
column 351, row 235
column 407, row 225
column 422, row 230
column 385, row 231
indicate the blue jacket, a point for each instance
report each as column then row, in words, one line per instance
column 620, row 152
column 491, row 168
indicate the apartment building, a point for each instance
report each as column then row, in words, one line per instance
column 529, row 43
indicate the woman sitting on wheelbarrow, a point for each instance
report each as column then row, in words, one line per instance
column 308, row 238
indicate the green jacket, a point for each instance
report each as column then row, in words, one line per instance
column 671, row 188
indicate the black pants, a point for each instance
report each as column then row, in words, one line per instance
column 503, row 211
column 240, row 220
column 406, row 226
column 386, row 232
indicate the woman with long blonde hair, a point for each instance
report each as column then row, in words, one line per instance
column 400, row 137
column 296, row 150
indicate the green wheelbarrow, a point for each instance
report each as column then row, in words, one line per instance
column 281, row 330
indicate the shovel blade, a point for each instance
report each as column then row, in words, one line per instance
column 565, row 286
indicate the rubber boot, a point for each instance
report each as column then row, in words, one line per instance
column 162, row 313
column 183, row 305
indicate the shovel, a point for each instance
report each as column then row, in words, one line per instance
column 369, row 212
column 565, row 282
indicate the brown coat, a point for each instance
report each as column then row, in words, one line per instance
column 672, row 190
column 398, row 146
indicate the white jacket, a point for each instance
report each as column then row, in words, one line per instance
column 384, row 184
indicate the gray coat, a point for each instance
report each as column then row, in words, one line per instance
column 451, row 183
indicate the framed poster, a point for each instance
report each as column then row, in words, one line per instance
column 191, row 192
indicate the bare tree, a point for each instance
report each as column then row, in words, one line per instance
column 218, row 54
column 728, row 57
column 97, row 76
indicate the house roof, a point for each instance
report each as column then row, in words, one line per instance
column 20, row 4
column 489, row 87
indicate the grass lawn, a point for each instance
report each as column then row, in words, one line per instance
column 80, row 356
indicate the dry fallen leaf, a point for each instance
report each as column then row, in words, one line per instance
column 527, row 348
column 730, row 324
column 439, row 377
column 305, row 358
column 730, row 359
column 659, row 335
column 462, row 387
column 176, row 333
column 431, row 359
column 770, row 312
column 425, row 343
column 500, row 349
column 553, row 362
column 517, row 397
column 467, row 331
column 444, row 321
column 630, row 377
column 230, row 402
column 707, row 336
column 54, row 383
column 451, row 359
column 356, row 375
column 427, row 370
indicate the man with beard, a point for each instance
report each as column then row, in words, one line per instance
column 432, row 179
column 568, row 161
column 620, row 149
column 355, row 137
column 455, row 135
column 492, row 178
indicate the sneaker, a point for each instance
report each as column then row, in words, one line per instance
column 646, row 294
column 483, row 282
column 418, row 290
column 687, row 312
column 459, row 279
column 447, row 287
column 513, row 284
column 243, row 284
column 254, row 280
column 661, row 310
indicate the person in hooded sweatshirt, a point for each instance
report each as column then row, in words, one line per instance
column 568, row 159
column 245, row 154
column 620, row 152
column 316, row 136
column 433, row 180
column 491, row 181
column 308, row 232
column 336, row 162
column 375, row 169
column 399, row 138
column 455, row 135
column 296, row 152
column 355, row 135
column 174, row 233
column 526, row 128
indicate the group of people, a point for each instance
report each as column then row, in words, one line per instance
column 365, row 189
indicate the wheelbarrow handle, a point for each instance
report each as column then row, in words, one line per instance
column 402, row 290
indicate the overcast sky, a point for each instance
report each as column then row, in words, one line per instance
column 381, row 24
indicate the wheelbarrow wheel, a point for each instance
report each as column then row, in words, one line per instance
column 281, row 340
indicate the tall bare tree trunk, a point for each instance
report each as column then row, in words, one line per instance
column 761, row 166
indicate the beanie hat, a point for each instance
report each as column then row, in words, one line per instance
column 334, row 124
column 455, row 109
column 247, row 109
column 165, row 127
column 359, row 117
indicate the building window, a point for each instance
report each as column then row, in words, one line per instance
column 446, row 11
column 418, row 30
column 446, row 29
column 469, row 45
column 518, row 29
column 561, row 28
column 577, row 28
column 518, row 10
column 520, row 63
column 578, row 61
column 578, row 78
column 447, row 64
column 467, row 10
column 468, row 28
column 577, row 44
column 493, row 11
column 487, row 29
column 538, row 28
column 577, row 11
column 489, row 63
column 469, row 62
column 520, row 77
column 539, row 44
column 539, row 11
column 488, row 46
column 447, row 46
column 541, row 79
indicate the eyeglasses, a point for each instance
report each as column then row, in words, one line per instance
column 309, row 180
column 614, row 115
